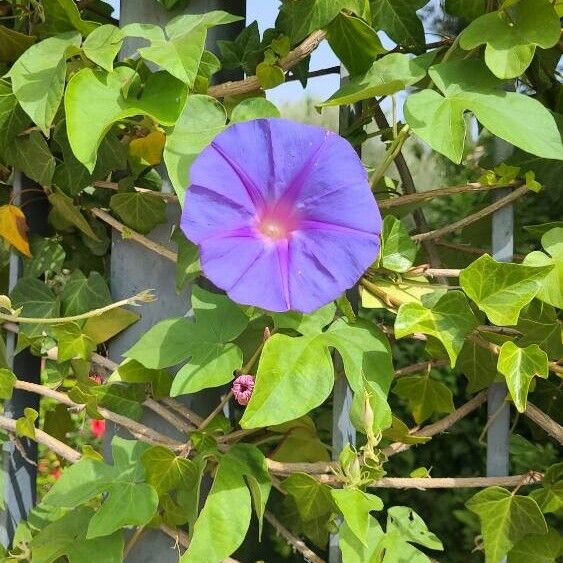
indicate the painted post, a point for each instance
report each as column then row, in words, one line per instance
column 19, row 474
column 133, row 268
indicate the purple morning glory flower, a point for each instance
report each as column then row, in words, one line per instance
column 283, row 214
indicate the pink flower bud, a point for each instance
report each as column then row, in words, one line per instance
column 243, row 386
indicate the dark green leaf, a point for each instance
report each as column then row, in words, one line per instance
column 140, row 211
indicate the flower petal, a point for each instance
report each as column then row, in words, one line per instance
column 325, row 262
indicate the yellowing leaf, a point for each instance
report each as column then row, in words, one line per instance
column 13, row 228
column 148, row 149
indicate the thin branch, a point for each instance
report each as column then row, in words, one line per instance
column 175, row 421
column 115, row 186
column 315, row 468
column 499, row 204
column 416, row 197
column 292, row 540
column 189, row 414
column 252, row 83
column 470, row 249
column 41, row 437
column 543, row 421
column 441, row 425
column 457, row 482
column 133, row 235
column 145, row 296
column 216, row 410
column 420, row 367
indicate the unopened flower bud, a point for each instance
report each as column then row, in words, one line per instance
column 242, row 388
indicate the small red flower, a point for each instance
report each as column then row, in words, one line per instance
column 98, row 428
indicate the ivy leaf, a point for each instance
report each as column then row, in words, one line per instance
column 404, row 521
column 129, row 501
column 426, row 396
column 468, row 85
column 25, row 425
column 202, row 118
column 511, row 39
column 38, row 77
column 140, row 211
column 539, row 548
column 101, row 93
column 13, row 44
column 103, row 44
column 550, row 496
column 122, row 399
column 166, row 471
column 449, row 320
column 67, row 537
column 223, row 522
column 179, row 47
column 299, row 19
column 355, row 506
column 294, row 376
column 398, row 250
column 354, row 42
column 300, row 443
column 400, row 432
column 13, row 228
column 37, row 300
column 551, row 291
column 61, row 16
column 47, row 257
column 7, row 382
column 539, row 325
column 65, row 208
column 478, row 364
column 30, row 153
column 82, row 294
column 505, row 519
column 500, row 289
column 386, row 76
column 519, row 366
column 269, row 75
column 399, row 20
column 312, row 498
column 131, row 371
column 208, row 342
column 244, row 51
column 72, row 343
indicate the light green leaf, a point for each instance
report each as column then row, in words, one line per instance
column 398, row 250
column 425, row 395
column 103, row 327
column 38, row 77
column 7, row 381
column 400, row 432
column 519, row 366
column 355, row 506
column 501, row 290
column 122, row 399
column 131, row 371
column 25, row 425
column 538, row 548
column 354, row 42
column 354, row 551
column 179, row 47
column 103, row 44
column 140, row 211
column 551, row 291
column 166, row 471
column 301, row 442
column 298, row 19
column 13, row 44
column 61, row 16
column 386, row 76
column 313, row 499
column 65, row 208
column 253, row 108
column 311, row 323
column 201, row 120
column 449, row 320
column 294, row 376
column 37, row 300
column 269, row 75
column 94, row 102
column 188, row 266
column 505, row 519
column 67, row 537
column 129, row 501
column 550, row 496
column 72, row 344
column 468, row 85
column 511, row 39
column 409, row 525
column 223, row 522
column 81, row 294
column 399, row 20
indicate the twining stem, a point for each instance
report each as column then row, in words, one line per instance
column 216, row 410
column 145, row 296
